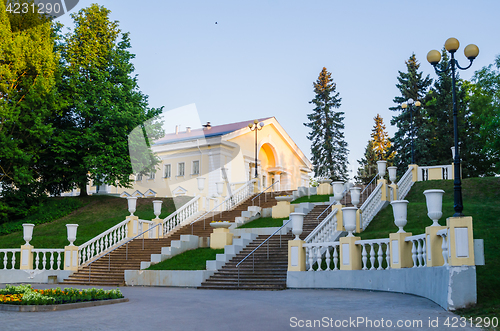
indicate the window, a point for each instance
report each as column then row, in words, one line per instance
column 196, row 167
column 152, row 174
column 180, row 169
column 168, row 170
column 138, row 177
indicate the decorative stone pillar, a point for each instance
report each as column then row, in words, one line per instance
column 71, row 261
column 283, row 208
column 414, row 172
column 27, row 249
column 461, row 241
column 221, row 235
column 324, row 187
column 296, row 255
column 399, row 248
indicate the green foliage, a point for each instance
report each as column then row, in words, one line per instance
column 329, row 149
column 482, row 202
column 313, row 198
column 48, row 211
column 31, row 296
column 195, row 259
column 264, row 222
column 411, row 85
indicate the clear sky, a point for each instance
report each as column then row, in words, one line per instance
column 262, row 57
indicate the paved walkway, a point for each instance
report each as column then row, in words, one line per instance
column 155, row 308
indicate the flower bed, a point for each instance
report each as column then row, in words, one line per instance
column 26, row 295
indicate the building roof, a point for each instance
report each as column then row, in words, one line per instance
column 205, row 132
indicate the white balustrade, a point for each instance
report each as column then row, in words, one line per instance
column 444, row 246
column 239, row 195
column 6, row 252
column 102, row 242
column 374, row 249
column 418, row 250
column 326, row 230
column 316, row 253
column 54, row 258
column 181, row 215
column 372, row 205
column 405, row 184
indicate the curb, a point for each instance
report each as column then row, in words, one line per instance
column 67, row 306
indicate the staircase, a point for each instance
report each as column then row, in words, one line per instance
column 267, row 274
column 110, row 270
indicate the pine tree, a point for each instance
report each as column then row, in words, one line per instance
column 367, row 165
column 411, row 85
column 329, row 150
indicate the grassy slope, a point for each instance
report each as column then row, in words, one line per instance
column 99, row 214
column 313, row 198
column 190, row 260
column 264, row 222
column 481, row 198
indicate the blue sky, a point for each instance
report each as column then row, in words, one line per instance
column 262, row 57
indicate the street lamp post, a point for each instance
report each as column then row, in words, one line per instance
column 409, row 104
column 471, row 52
column 256, row 126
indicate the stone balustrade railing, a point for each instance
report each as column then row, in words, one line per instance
column 181, row 215
column 326, row 230
column 405, row 183
column 316, row 253
column 372, row 205
column 54, row 258
column 102, row 242
column 374, row 249
column 6, row 260
column 444, row 246
column 418, row 250
column 239, row 195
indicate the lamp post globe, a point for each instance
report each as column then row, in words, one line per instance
column 471, row 52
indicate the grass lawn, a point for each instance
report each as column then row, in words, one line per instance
column 190, row 260
column 481, row 198
column 264, row 222
column 313, row 198
column 98, row 214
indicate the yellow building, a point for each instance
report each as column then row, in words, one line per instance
column 225, row 156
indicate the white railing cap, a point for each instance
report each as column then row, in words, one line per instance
column 415, row 237
column 326, row 243
column 99, row 236
column 321, row 225
column 373, row 241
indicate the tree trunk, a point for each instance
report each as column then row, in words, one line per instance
column 83, row 189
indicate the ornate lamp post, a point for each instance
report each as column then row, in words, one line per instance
column 471, row 52
column 256, row 126
column 409, row 104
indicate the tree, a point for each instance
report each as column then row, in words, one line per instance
column 329, row 150
column 28, row 66
column 103, row 104
column 367, row 165
column 411, row 85
column 484, row 105
column 380, row 138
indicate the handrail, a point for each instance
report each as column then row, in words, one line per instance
column 258, row 195
column 253, row 265
column 223, row 202
column 321, row 225
column 327, row 208
column 185, row 206
column 368, row 184
column 124, row 243
column 370, row 198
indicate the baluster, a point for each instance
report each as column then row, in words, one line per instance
column 44, row 260
column 51, row 260
column 372, row 257
column 364, row 258
column 424, row 259
column 59, row 259
column 4, row 260
column 444, row 248
column 318, row 257
column 335, row 257
column 388, row 256
column 311, row 251
column 380, row 257
column 414, row 254
column 13, row 260
column 327, row 258
column 37, row 260
column 419, row 253
column 92, row 250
